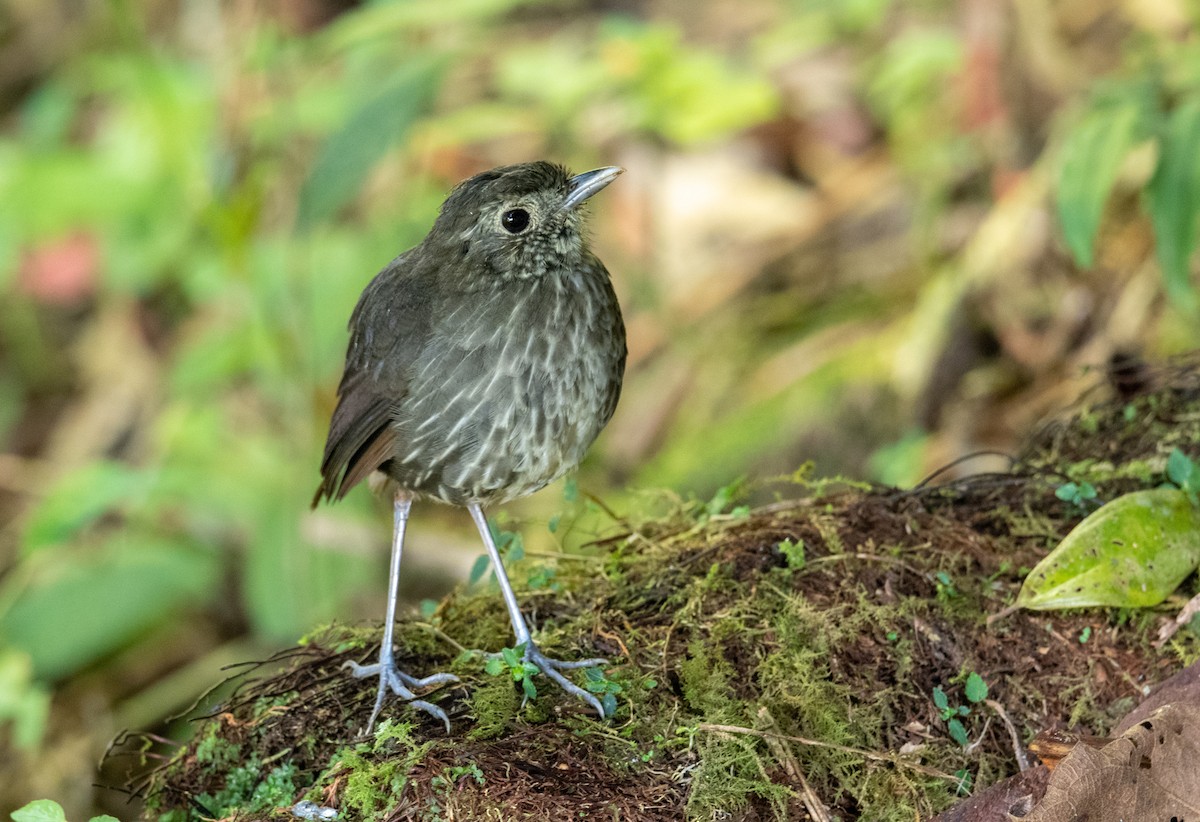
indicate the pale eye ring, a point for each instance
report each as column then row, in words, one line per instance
column 515, row 220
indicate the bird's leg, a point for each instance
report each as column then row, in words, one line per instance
column 391, row 677
column 550, row 667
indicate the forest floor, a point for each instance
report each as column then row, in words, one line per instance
column 763, row 662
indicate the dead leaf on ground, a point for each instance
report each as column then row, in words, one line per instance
column 1147, row 773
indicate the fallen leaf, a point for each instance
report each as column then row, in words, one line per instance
column 1148, row 773
column 1131, row 553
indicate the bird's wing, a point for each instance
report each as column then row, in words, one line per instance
column 388, row 329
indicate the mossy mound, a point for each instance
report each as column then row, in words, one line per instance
column 758, row 657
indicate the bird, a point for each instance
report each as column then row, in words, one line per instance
column 482, row 363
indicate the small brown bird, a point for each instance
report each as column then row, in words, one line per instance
column 482, row 364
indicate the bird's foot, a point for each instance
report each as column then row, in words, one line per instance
column 402, row 685
column 553, row 669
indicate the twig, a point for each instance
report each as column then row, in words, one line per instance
column 889, row 758
column 986, row 452
column 870, row 558
column 1182, row 618
column 562, row 555
column 815, row 807
column 442, row 635
column 1001, row 614
column 1018, row 750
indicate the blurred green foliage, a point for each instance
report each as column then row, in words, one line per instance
column 1154, row 101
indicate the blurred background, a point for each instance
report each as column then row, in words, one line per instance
column 869, row 234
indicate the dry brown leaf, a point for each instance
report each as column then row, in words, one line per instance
column 1182, row 688
column 1148, row 773
column 1015, row 795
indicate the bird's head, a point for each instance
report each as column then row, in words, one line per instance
column 520, row 221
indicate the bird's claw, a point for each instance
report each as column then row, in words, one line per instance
column 553, row 668
column 402, row 685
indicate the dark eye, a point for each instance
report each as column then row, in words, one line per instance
column 515, row 220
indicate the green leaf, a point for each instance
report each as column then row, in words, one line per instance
column 940, row 699
column 528, row 687
column 957, row 732
column 40, row 810
column 976, row 689
column 516, row 547
column 1174, row 195
column 81, row 498
column 478, row 569
column 1180, row 469
column 70, row 614
column 495, row 666
column 571, row 489
column 348, row 155
column 1132, row 552
column 104, row 818
column 1092, row 156
column 510, row 657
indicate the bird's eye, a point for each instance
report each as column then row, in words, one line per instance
column 515, row 220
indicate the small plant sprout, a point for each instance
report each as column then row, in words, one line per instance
column 1079, row 494
column 723, row 499
column 510, row 660
column 452, row 774
column 945, row 586
column 511, row 546
column 542, row 578
column 605, row 688
column 1184, row 475
column 975, row 690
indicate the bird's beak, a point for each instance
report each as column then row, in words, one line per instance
column 584, row 185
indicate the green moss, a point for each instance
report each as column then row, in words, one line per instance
column 418, row 640
column 341, row 638
column 494, row 704
column 216, row 750
column 248, row 791
column 893, row 795
column 707, row 684
column 373, row 782
column 732, row 770
column 372, row 787
column 478, row 621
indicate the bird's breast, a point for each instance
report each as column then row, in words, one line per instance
column 511, row 389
